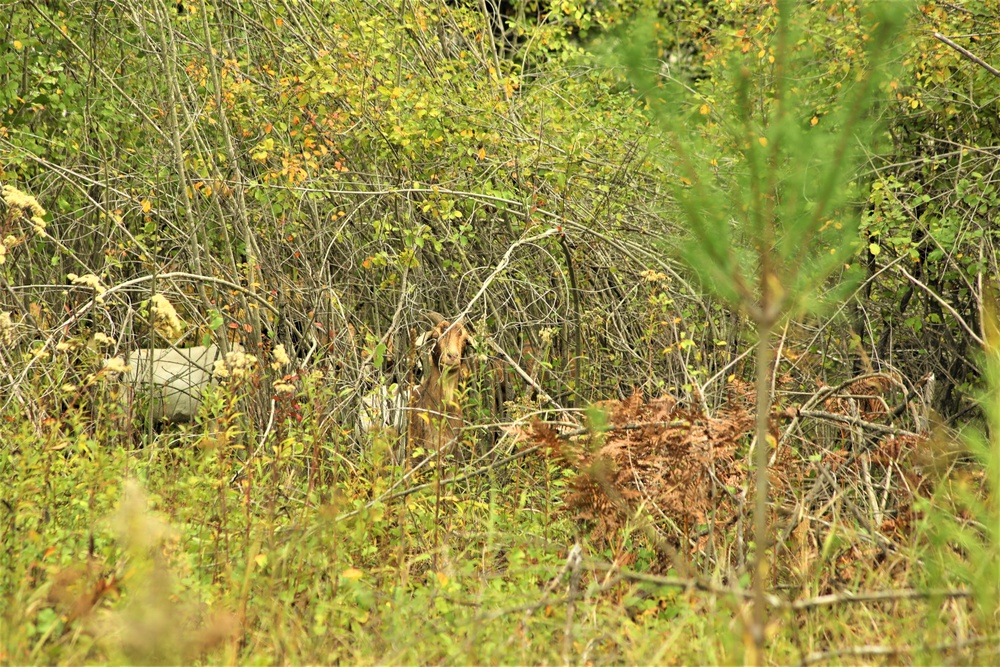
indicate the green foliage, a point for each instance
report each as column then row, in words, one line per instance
column 316, row 174
column 392, row 147
column 962, row 518
column 933, row 197
column 770, row 213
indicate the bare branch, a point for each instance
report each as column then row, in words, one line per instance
column 968, row 54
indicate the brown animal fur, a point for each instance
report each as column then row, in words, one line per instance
column 435, row 413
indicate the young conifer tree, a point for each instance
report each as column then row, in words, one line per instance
column 773, row 225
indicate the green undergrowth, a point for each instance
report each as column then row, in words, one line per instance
column 218, row 542
column 166, row 554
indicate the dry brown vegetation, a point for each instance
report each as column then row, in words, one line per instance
column 681, row 475
column 677, row 462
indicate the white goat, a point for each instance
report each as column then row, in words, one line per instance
column 384, row 407
column 178, row 378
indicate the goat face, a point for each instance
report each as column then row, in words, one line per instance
column 449, row 346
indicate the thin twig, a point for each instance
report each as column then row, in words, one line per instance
column 874, row 596
column 822, row 394
column 502, row 264
column 944, row 304
column 968, row 54
column 872, row 651
column 573, row 563
column 694, row 583
column 627, row 427
column 691, row 583
column 855, row 421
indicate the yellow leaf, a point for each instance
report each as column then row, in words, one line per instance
column 482, row 153
column 17, row 45
column 914, row 104
column 762, row 141
column 874, row 249
column 442, row 578
column 352, row 574
column 704, row 110
column 814, row 120
column 260, row 559
column 146, row 206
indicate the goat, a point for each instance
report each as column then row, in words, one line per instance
column 178, row 377
column 384, row 407
column 436, row 420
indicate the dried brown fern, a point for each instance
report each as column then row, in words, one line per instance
column 672, row 459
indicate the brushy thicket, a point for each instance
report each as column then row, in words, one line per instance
column 314, row 177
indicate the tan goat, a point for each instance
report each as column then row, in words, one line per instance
column 435, row 413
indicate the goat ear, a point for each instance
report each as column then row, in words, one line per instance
column 470, row 330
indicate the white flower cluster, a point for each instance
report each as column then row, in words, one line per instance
column 5, row 246
column 67, row 346
column 652, row 276
column 280, row 357
column 236, row 365
column 115, row 365
column 283, row 387
column 91, row 281
column 6, row 329
column 547, row 334
column 165, row 317
column 20, row 201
